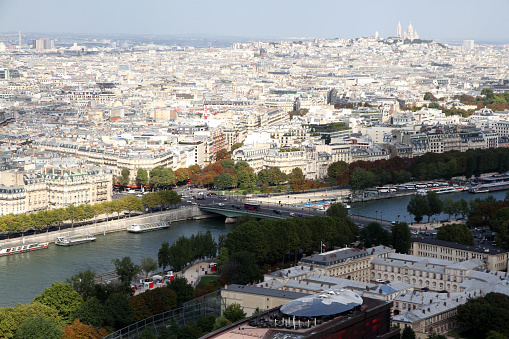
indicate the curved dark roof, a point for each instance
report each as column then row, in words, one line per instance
column 326, row 303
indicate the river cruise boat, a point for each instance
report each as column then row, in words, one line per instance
column 74, row 239
column 441, row 190
column 153, row 226
column 22, row 248
column 490, row 184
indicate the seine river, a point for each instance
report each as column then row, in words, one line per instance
column 23, row 276
column 390, row 209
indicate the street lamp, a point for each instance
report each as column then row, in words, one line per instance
column 381, row 216
column 398, row 217
column 376, row 215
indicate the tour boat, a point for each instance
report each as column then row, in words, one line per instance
column 153, row 226
column 493, row 183
column 74, row 239
column 22, row 248
column 441, row 190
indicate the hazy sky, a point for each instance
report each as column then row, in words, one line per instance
column 432, row 19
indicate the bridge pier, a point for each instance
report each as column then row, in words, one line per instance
column 230, row 220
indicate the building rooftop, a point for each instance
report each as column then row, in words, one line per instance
column 462, row 247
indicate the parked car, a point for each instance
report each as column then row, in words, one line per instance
column 276, row 211
column 292, row 214
column 220, row 204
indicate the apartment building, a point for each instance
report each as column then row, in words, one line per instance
column 430, row 273
column 494, row 259
column 426, row 312
column 51, row 188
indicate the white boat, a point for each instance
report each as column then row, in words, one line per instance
column 22, row 248
column 74, row 239
column 153, row 226
column 441, row 190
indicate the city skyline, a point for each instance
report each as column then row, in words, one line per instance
column 452, row 20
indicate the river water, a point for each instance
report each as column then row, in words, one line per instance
column 390, row 209
column 23, row 276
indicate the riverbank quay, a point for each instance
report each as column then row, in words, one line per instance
column 180, row 214
column 298, row 198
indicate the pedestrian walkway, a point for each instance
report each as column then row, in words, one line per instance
column 194, row 272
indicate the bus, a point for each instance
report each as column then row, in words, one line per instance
column 386, row 189
column 254, row 207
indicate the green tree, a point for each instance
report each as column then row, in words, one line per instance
column 450, row 207
column 408, row 333
column 151, row 200
column 337, row 211
column 489, row 96
column 234, row 312
column 206, row 324
column 361, row 179
column 401, row 237
column 222, row 257
column 484, row 314
column 236, row 146
column 142, row 177
column 148, row 265
column 91, row 312
column 220, row 323
column 462, row 207
column 184, row 291
column 124, row 177
column 163, row 256
column 402, row 176
column 132, row 203
column 224, row 180
column 495, row 335
column 190, row 331
column 62, row 298
column 435, row 335
column 38, row 328
column 75, row 213
column 241, row 164
column 435, row 205
column 428, row 96
column 374, row 234
column 126, row 270
column 457, row 233
column 228, row 163
column 83, row 283
column 11, row 318
column 147, row 333
column 336, row 169
column 240, row 268
column 118, row 311
column 418, row 207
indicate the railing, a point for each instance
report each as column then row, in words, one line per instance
column 211, row 304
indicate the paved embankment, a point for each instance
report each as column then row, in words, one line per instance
column 185, row 213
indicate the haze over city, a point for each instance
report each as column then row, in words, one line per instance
column 307, row 169
column 439, row 20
